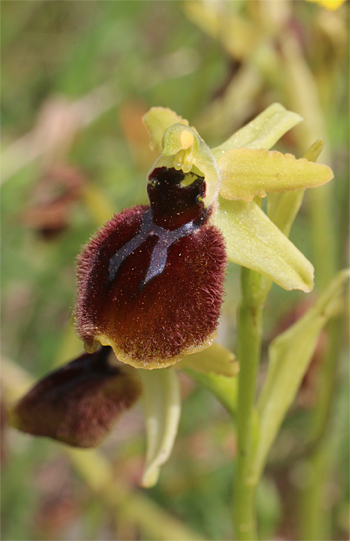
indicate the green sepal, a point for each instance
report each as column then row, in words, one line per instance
column 253, row 241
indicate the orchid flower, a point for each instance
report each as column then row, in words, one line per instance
column 150, row 282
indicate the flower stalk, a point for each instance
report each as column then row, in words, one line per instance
column 248, row 351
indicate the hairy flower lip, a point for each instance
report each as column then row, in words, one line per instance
column 155, row 325
column 154, row 364
column 79, row 403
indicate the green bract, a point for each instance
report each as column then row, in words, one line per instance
column 290, row 354
column 237, row 171
column 162, row 400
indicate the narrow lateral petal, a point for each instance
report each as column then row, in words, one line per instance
column 157, row 120
column 283, row 207
column 79, row 403
column 253, row 241
column 162, row 404
column 246, row 173
column 262, row 132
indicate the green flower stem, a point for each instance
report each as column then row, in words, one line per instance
column 248, row 353
column 314, row 525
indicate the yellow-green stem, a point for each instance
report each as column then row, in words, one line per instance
column 248, row 351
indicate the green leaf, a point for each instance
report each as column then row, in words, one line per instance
column 214, row 360
column 263, row 132
column 162, row 404
column 157, row 120
column 247, row 173
column 290, row 355
column 253, row 241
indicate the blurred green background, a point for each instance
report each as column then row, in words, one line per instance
column 77, row 76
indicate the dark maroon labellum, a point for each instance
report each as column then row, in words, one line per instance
column 79, row 403
column 150, row 282
column 179, row 209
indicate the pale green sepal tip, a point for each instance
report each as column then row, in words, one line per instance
column 157, row 120
column 314, row 150
column 290, row 354
column 162, row 405
column 253, row 241
column 262, row 132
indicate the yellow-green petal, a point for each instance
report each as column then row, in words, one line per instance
column 247, row 173
column 157, row 120
column 253, row 241
column 290, row 354
column 214, row 360
column 262, row 132
column 283, row 207
column 162, row 401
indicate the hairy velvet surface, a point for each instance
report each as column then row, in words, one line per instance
column 159, row 297
column 79, row 403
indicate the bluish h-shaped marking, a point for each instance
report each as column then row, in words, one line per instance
column 160, row 251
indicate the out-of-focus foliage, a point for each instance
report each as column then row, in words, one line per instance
column 76, row 79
